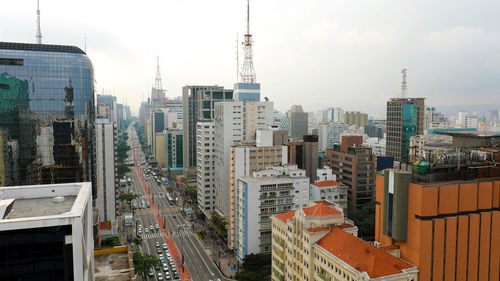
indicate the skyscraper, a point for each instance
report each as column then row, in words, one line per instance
column 405, row 118
column 198, row 105
column 299, row 122
column 47, row 113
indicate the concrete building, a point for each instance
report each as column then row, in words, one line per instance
column 329, row 134
column 329, row 190
column 299, row 122
column 318, row 243
column 198, row 103
column 258, row 197
column 354, row 165
column 107, row 180
column 472, row 121
column 356, row 118
column 378, row 145
column 304, row 154
column 325, row 174
column 205, row 168
column 405, row 118
column 244, row 160
column 258, row 116
column 161, row 149
column 444, row 216
column 46, row 232
column 248, row 92
column 229, row 129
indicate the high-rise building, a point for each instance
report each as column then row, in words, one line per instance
column 354, row 166
column 356, row 118
column 405, row 118
column 107, row 107
column 246, row 158
column 319, row 243
column 198, row 104
column 304, row 154
column 144, row 113
column 258, row 197
column 329, row 134
column 229, row 129
column 258, row 116
column 205, row 147
column 249, row 92
column 107, row 182
column 47, row 232
column 47, row 111
column 444, row 216
column 299, row 122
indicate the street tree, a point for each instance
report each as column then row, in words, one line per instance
column 143, row 263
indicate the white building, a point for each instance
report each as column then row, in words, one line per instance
column 258, row 197
column 205, row 170
column 329, row 133
column 235, row 121
column 377, row 145
column 329, row 190
column 472, row 121
column 245, row 159
column 228, row 128
column 107, row 181
column 47, row 231
column 325, row 174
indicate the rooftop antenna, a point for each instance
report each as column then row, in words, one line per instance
column 247, row 70
column 403, row 84
column 38, row 30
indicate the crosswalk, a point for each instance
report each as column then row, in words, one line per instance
column 150, row 235
column 183, row 232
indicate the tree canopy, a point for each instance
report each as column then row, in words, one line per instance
column 255, row 267
column 219, row 223
column 364, row 219
column 143, row 263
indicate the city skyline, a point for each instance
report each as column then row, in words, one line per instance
column 339, row 54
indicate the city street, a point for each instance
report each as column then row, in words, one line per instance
column 177, row 233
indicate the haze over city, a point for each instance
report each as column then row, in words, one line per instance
column 315, row 53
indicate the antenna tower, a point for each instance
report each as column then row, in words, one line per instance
column 404, row 88
column 247, row 72
column 38, row 30
column 237, row 60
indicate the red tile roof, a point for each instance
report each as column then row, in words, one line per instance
column 320, row 210
column 318, row 228
column 345, row 225
column 361, row 255
column 285, row 216
column 326, row 183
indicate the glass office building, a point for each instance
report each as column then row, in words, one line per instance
column 47, row 115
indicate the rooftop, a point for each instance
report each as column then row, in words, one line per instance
column 361, row 255
column 37, row 207
column 326, row 183
column 321, row 209
column 285, row 216
column 40, row 47
column 112, row 264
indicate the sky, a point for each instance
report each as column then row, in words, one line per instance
column 317, row 53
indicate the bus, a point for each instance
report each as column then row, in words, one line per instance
column 170, row 199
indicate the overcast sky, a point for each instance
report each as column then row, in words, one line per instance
column 317, row 53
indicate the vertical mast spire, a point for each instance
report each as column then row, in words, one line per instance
column 404, row 88
column 38, row 29
column 247, row 71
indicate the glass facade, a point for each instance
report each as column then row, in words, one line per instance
column 47, row 115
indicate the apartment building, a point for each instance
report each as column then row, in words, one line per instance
column 265, row 193
column 205, row 181
column 318, row 243
column 329, row 190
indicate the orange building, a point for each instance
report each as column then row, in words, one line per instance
column 449, row 230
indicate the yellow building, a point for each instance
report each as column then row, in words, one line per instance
column 160, row 149
column 148, row 131
column 318, row 243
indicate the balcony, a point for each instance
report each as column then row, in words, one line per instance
column 322, row 276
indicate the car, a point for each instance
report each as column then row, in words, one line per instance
column 157, row 226
column 168, row 255
column 160, row 277
column 164, row 264
column 151, row 227
column 157, row 244
column 147, row 204
column 167, row 275
column 146, row 230
column 157, row 267
column 151, row 273
column 165, row 268
column 171, row 262
column 165, row 247
column 139, row 230
column 176, row 275
column 160, row 256
column 158, row 250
